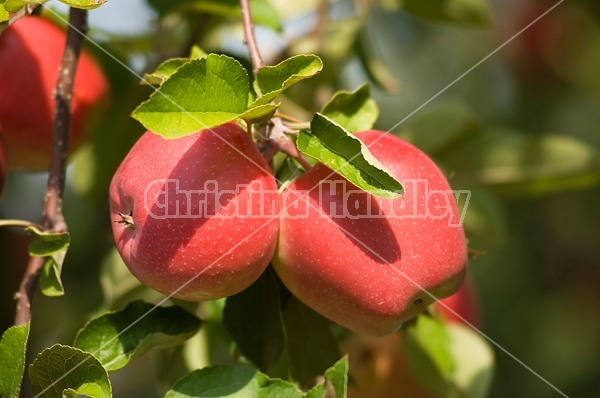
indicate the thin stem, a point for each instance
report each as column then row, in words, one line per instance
column 53, row 218
column 26, row 10
column 321, row 25
column 20, row 223
column 255, row 57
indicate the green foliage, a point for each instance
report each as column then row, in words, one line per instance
column 345, row 154
column 84, row 4
column 13, row 347
column 464, row 12
column 53, row 248
column 263, row 12
column 273, row 80
column 62, row 371
column 513, row 163
column 257, row 308
column 201, row 94
column 337, row 377
column 310, row 343
column 450, row 359
column 237, row 381
column 355, row 111
column 117, row 338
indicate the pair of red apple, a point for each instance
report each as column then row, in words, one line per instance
column 200, row 218
column 30, row 55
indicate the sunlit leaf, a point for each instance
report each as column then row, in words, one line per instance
column 62, row 371
column 117, row 338
column 345, row 154
column 13, row 347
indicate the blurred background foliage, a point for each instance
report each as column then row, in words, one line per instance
column 520, row 131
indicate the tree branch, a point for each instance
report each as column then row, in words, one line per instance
column 275, row 136
column 255, row 57
column 52, row 217
column 26, row 10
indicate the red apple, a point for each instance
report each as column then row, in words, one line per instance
column 2, row 164
column 461, row 306
column 364, row 262
column 30, row 55
column 379, row 365
column 195, row 217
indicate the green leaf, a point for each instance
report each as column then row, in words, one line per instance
column 47, row 243
column 257, row 309
column 13, row 348
column 12, row 5
column 337, row 377
column 201, row 94
column 50, row 278
column 4, row 15
column 345, row 154
column 354, row 111
column 427, row 347
column 517, row 164
column 62, row 371
column 310, row 344
column 464, row 12
column 280, row 389
column 165, row 70
column 84, row 4
column 473, row 359
column 116, row 338
column 263, row 12
column 53, row 247
column 439, row 127
column 231, row 381
column 273, row 80
column 260, row 114
column 196, row 52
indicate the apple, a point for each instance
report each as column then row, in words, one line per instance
column 379, row 365
column 30, row 54
column 368, row 263
column 195, row 217
column 462, row 304
column 2, row 165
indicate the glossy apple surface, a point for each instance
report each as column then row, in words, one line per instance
column 362, row 261
column 204, row 212
column 30, row 55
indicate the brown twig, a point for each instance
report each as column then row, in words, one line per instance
column 321, row 25
column 52, row 217
column 26, row 10
column 275, row 132
column 255, row 57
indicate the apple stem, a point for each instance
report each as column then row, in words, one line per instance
column 26, row 10
column 52, row 217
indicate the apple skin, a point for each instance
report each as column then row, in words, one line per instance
column 2, row 165
column 213, row 256
column 30, row 54
column 463, row 303
column 371, row 291
column 379, row 365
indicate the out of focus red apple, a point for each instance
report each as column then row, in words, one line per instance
column 461, row 306
column 195, row 217
column 379, row 365
column 368, row 263
column 2, row 165
column 30, row 54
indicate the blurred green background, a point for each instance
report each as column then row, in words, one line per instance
column 521, row 131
